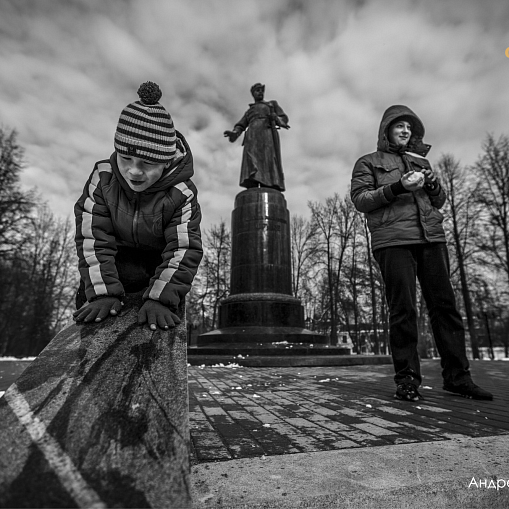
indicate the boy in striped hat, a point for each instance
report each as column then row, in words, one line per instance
column 138, row 219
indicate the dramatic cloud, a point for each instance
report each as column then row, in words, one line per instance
column 69, row 67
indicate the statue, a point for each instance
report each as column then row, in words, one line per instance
column 261, row 159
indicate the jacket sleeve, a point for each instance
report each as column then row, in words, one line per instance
column 183, row 251
column 437, row 197
column 95, row 242
column 364, row 192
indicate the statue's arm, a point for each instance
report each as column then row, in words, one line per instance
column 238, row 128
column 281, row 117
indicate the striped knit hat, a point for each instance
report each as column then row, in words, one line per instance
column 145, row 129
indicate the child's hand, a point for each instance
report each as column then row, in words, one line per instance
column 155, row 314
column 413, row 180
column 98, row 310
column 429, row 176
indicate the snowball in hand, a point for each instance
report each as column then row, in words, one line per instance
column 416, row 177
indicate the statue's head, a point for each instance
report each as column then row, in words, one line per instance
column 257, row 91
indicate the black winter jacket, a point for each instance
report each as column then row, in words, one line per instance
column 408, row 218
column 165, row 218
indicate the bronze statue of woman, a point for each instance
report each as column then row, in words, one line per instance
column 261, row 159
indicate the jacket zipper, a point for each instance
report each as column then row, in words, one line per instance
column 422, row 221
column 136, row 218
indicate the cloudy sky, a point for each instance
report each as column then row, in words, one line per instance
column 68, row 67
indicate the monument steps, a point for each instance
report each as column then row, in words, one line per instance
column 267, row 349
column 249, row 355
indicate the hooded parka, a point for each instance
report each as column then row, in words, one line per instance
column 407, row 218
column 164, row 219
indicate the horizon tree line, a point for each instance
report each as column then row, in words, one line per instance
column 339, row 283
column 333, row 270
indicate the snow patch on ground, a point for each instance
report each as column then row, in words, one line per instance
column 17, row 358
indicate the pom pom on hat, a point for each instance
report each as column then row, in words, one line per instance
column 149, row 93
column 145, row 129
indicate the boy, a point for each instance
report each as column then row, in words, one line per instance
column 397, row 190
column 138, row 219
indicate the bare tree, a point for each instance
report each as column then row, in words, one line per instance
column 351, row 289
column 303, row 250
column 212, row 282
column 40, row 280
column 54, row 261
column 462, row 211
column 334, row 225
column 492, row 194
column 35, row 262
column 15, row 204
column 196, row 308
column 374, row 278
column 219, row 246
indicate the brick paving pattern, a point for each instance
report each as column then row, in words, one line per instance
column 244, row 412
column 239, row 412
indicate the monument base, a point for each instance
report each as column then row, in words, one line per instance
column 255, row 309
column 261, row 318
column 261, row 308
column 260, row 334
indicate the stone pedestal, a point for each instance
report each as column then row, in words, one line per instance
column 260, row 307
column 100, row 419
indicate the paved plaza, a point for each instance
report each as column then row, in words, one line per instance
column 246, row 412
column 334, row 436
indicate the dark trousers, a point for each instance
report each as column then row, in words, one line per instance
column 135, row 268
column 400, row 267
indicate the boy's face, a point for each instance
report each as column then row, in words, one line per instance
column 400, row 132
column 138, row 173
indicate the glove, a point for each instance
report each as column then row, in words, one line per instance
column 431, row 182
column 98, row 309
column 156, row 313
